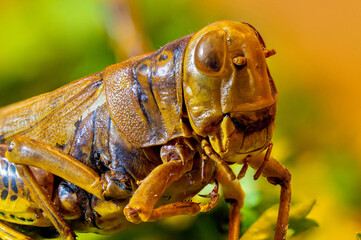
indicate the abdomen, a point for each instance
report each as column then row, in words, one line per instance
column 15, row 202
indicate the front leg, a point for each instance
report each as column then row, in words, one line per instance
column 234, row 195
column 277, row 174
column 177, row 159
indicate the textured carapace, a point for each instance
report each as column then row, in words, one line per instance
column 144, row 94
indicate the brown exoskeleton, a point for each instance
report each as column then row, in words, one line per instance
column 136, row 142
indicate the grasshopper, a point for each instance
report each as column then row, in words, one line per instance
column 135, row 142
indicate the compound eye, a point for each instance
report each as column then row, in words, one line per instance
column 210, row 53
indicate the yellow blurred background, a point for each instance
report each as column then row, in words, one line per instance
column 45, row 44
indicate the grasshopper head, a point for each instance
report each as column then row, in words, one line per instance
column 228, row 91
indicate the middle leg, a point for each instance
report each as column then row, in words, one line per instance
column 177, row 160
column 233, row 193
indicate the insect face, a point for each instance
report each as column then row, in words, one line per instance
column 229, row 93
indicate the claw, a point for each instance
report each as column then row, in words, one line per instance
column 214, row 195
column 132, row 215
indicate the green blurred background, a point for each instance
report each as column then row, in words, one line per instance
column 47, row 43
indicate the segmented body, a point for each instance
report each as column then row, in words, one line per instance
column 16, row 205
column 77, row 121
